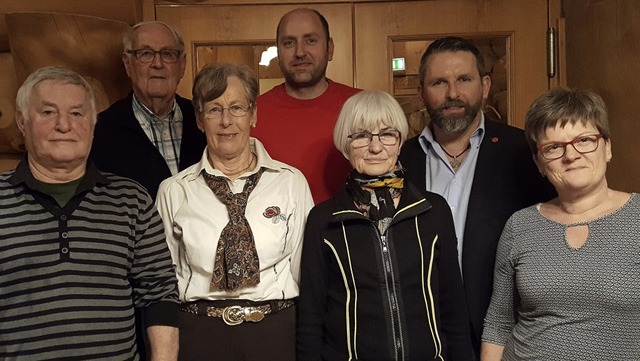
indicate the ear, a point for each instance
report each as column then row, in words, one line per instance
column 420, row 93
column 330, row 49
column 539, row 165
column 183, row 64
column 126, row 60
column 607, row 144
column 486, row 86
column 200, row 122
column 254, row 117
column 20, row 120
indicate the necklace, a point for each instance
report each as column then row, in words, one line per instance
column 455, row 163
column 253, row 158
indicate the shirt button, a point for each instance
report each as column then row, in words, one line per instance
column 65, row 234
column 63, row 217
column 64, row 250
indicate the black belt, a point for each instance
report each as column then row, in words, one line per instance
column 236, row 314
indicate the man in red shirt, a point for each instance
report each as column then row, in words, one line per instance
column 296, row 118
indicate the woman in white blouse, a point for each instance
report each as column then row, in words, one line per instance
column 234, row 224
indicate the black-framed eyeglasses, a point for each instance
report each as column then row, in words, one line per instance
column 364, row 138
column 582, row 144
column 215, row 112
column 148, row 55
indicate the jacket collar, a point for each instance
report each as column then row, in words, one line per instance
column 412, row 203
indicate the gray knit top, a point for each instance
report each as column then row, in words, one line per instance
column 572, row 304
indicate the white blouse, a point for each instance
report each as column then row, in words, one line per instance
column 193, row 218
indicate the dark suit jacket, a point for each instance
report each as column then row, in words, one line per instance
column 120, row 145
column 506, row 180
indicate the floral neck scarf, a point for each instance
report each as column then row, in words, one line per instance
column 376, row 203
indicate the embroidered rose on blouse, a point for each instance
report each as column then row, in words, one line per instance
column 273, row 212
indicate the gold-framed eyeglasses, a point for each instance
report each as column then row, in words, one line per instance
column 148, row 55
column 216, row 112
column 364, row 138
column 583, row 144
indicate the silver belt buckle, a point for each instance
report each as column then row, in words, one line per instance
column 233, row 315
column 253, row 314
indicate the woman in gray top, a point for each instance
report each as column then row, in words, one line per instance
column 567, row 275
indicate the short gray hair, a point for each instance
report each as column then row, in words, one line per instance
column 560, row 106
column 127, row 40
column 211, row 83
column 57, row 74
column 368, row 110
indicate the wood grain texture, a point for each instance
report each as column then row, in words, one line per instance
column 603, row 55
column 252, row 24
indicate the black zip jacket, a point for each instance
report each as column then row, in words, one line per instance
column 395, row 296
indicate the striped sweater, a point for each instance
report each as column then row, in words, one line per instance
column 70, row 277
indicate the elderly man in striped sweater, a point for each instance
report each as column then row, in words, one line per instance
column 79, row 249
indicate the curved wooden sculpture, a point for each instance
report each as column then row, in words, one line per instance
column 88, row 45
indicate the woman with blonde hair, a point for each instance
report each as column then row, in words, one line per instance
column 380, row 277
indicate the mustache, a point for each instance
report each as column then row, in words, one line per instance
column 452, row 104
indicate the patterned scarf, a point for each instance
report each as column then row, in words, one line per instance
column 236, row 263
column 377, row 204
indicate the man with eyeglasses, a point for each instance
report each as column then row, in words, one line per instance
column 483, row 168
column 296, row 118
column 152, row 133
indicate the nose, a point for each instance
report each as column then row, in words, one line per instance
column 157, row 61
column 225, row 118
column 301, row 49
column 452, row 91
column 570, row 153
column 63, row 123
column 375, row 146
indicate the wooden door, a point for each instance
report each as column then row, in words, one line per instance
column 514, row 33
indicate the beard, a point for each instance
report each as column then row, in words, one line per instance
column 454, row 124
column 305, row 79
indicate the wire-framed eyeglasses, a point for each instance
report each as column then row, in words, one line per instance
column 148, row 55
column 582, row 144
column 364, row 138
column 215, row 112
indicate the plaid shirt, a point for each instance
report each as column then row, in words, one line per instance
column 164, row 133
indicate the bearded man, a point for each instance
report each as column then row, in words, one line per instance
column 483, row 168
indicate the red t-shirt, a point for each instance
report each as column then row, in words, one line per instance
column 300, row 133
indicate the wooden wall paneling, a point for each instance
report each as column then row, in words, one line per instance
column 10, row 137
column 129, row 11
column 604, row 57
column 310, row 3
column 523, row 22
column 148, row 10
column 557, row 21
column 254, row 24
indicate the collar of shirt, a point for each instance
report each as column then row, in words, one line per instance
column 455, row 187
column 264, row 161
column 143, row 113
column 23, row 174
column 164, row 133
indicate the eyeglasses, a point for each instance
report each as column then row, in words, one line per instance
column 582, row 144
column 215, row 113
column 363, row 139
column 148, row 55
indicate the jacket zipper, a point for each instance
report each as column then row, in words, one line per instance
column 392, row 298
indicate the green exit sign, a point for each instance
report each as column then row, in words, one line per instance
column 398, row 64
